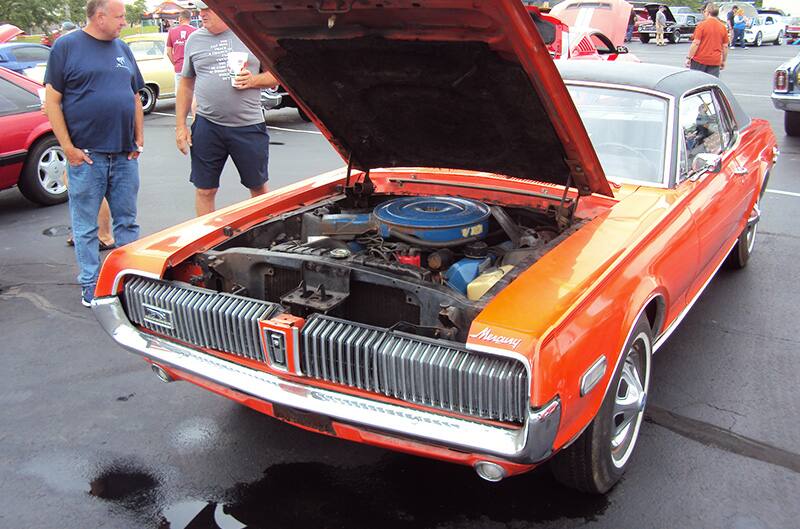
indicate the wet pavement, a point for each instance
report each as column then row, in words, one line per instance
column 89, row 438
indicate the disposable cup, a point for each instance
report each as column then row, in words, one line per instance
column 236, row 61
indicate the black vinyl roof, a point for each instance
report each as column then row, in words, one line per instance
column 665, row 79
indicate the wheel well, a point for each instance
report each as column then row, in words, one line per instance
column 655, row 314
column 35, row 143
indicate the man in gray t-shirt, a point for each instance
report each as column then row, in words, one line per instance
column 228, row 120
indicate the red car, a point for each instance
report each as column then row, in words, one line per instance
column 30, row 156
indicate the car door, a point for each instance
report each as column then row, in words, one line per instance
column 770, row 28
column 715, row 197
column 18, row 116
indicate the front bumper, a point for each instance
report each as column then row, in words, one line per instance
column 787, row 102
column 531, row 443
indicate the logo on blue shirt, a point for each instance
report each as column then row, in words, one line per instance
column 121, row 63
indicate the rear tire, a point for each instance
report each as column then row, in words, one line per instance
column 42, row 178
column 598, row 458
column 779, row 40
column 743, row 249
column 759, row 40
column 791, row 123
column 644, row 38
column 149, row 96
column 675, row 36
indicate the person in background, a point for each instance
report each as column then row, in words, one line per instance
column 630, row 27
column 729, row 17
column 93, row 105
column 709, row 49
column 176, row 41
column 661, row 24
column 739, row 25
column 228, row 121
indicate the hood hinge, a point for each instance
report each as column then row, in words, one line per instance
column 565, row 212
column 576, row 174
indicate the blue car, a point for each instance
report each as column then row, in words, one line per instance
column 18, row 56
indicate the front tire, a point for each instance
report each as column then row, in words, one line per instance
column 149, row 96
column 759, row 39
column 42, row 178
column 598, row 458
column 791, row 123
column 779, row 40
column 675, row 36
column 644, row 38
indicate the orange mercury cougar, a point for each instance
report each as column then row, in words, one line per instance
column 487, row 279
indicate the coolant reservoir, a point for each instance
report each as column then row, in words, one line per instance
column 481, row 284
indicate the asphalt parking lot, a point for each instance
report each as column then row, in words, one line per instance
column 91, row 439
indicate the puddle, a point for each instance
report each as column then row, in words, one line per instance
column 61, row 230
column 400, row 492
column 126, row 484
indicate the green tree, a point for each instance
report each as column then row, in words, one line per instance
column 30, row 14
column 75, row 11
column 134, row 11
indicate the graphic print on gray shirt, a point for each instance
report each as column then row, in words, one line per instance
column 206, row 59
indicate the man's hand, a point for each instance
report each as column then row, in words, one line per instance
column 722, row 65
column 243, row 80
column 183, row 138
column 133, row 155
column 76, row 156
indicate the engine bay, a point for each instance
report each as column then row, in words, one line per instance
column 421, row 264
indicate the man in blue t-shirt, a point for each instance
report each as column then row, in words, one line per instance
column 93, row 104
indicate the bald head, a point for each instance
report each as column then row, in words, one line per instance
column 106, row 18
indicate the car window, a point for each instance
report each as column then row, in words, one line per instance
column 628, row 131
column 726, row 120
column 31, row 54
column 16, row 100
column 147, row 49
column 699, row 127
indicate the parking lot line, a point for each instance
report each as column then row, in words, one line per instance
column 786, row 193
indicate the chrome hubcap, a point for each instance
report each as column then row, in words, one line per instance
column 752, row 227
column 52, row 165
column 146, row 98
column 629, row 400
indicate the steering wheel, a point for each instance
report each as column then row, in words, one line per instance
column 627, row 149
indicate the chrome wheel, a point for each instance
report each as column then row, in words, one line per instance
column 50, row 169
column 759, row 39
column 630, row 399
column 148, row 97
column 752, row 228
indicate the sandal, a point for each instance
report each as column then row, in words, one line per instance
column 105, row 247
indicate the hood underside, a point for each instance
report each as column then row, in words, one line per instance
column 449, row 84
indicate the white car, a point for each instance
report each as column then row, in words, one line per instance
column 765, row 28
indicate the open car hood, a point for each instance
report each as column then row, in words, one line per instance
column 454, row 84
column 610, row 17
column 652, row 9
column 8, row 32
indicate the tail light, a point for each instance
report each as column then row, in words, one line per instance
column 781, row 83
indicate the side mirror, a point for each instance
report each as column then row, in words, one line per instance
column 706, row 162
column 622, row 49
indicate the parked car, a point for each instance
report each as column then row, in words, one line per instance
column 9, row 32
column 749, row 10
column 30, row 157
column 764, row 28
column 19, row 56
column 150, row 52
column 678, row 26
column 793, row 31
column 487, row 279
column 786, row 94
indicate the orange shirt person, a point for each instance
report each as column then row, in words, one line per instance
column 709, row 49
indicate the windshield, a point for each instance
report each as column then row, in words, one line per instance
column 628, row 131
column 147, row 49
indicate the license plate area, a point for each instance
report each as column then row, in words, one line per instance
column 307, row 419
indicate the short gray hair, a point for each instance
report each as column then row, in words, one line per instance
column 93, row 6
column 185, row 15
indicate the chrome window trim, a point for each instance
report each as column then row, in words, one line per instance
column 668, row 137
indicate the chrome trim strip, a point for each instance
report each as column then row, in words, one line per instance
column 674, row 325
column 131, row 271
column 530, row 444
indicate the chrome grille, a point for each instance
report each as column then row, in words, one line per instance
column 198, row 316
column 426, row 372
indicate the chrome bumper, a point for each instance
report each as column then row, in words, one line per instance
column 789, row 102
column 530, row 444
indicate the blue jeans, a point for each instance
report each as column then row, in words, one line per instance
column 112, row 176
column 738, row 37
